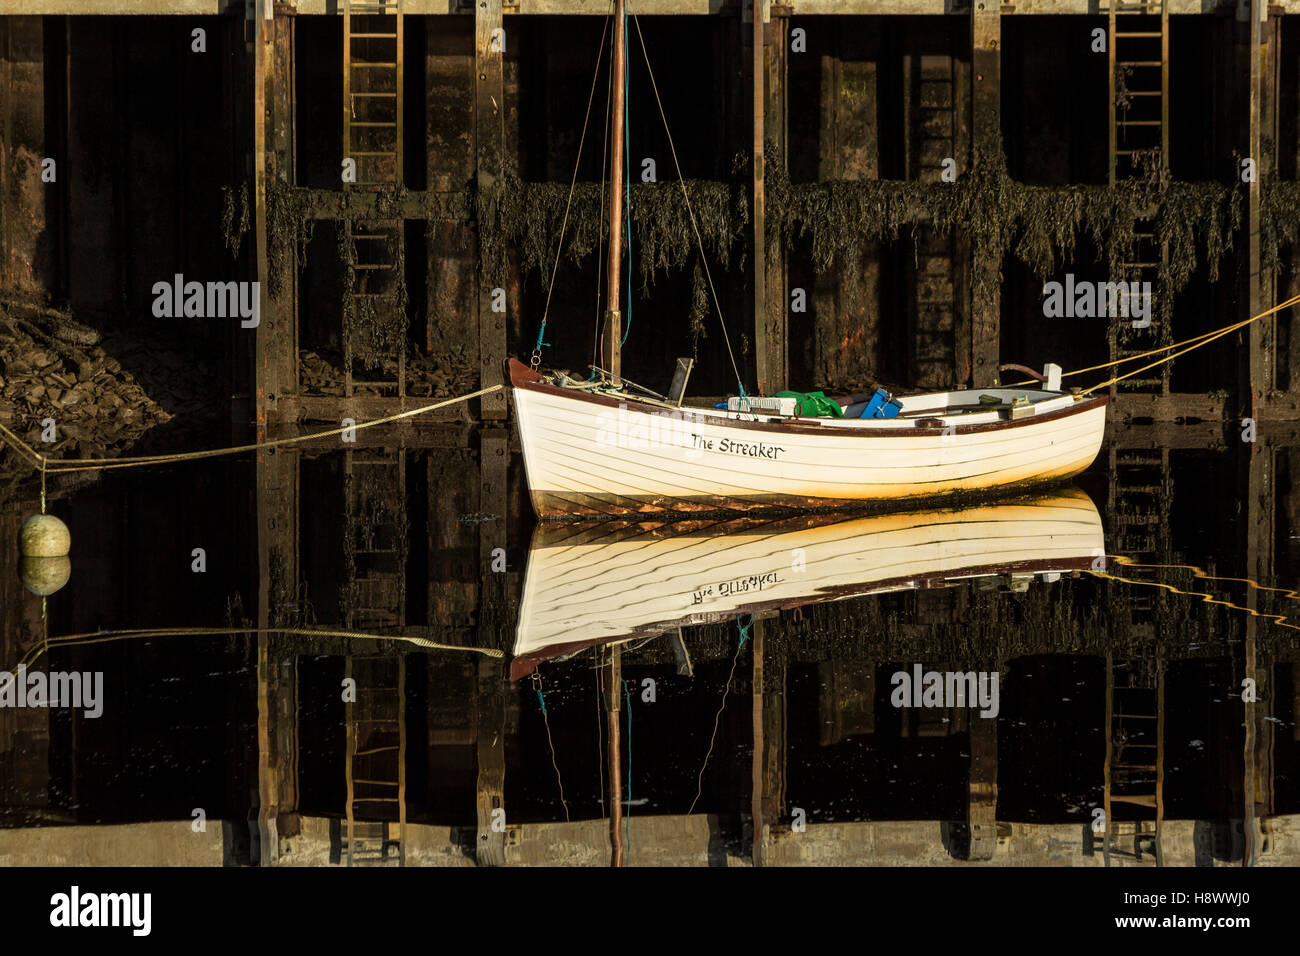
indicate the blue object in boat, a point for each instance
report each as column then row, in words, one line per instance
column 881, row 406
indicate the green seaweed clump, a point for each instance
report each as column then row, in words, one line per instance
column 1040, row 225
column 531, row 218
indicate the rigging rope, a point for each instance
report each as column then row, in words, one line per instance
column 689, row 211
column 699, row 780
column 600, row 260
column 541, row 702
column 627, row 169
column 97, row 464
column 573, row 184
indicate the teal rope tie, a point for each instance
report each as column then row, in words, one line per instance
column 540, row 333
column 744, row 631
column 541, row 701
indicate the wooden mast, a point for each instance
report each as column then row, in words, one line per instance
column 611, row 361
column 613, row 695
column 611, row 353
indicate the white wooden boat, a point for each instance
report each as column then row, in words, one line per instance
column 593, row 450
column 605, row 582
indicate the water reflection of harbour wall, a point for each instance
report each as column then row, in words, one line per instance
column 430, row 537
column 1020, row 788
column 401, row 537
column 964, row 627
column 24, row 734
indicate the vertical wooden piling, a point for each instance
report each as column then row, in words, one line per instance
column 771, row 311
column 490, row 749
column 452, row 276
column 277, row 711
column 762, row 330
column 986, row 150
column 489, row 151
column 847, row 321
column 760, row 822
column 1259, row 714
column 963, row 340
column 276, row 335
column 275, row 344
column 262, row 60
column 1257, row 382
column 1254, row 49
column 490, row 707
column 27, row 250
column 982, row 785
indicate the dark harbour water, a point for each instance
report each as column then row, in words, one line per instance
column 1119, row 688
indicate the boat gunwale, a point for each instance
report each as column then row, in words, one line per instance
column 522, row 377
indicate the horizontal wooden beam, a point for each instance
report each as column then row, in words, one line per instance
column 804, row 8
column 326, row 204
column 360, row 408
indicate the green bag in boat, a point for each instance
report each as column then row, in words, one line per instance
column 813, row 404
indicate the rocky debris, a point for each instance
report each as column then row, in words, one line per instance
column 97, row 407
column 52, row 367
column 442, row 377
column 53, row 322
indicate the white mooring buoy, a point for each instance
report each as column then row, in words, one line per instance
column 44, row 536
column 44, row 576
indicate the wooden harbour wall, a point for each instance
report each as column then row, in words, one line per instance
column 878, row 100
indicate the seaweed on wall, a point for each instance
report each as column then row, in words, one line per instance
column 531, row 217
column 1040, row 225
column 1279, row 224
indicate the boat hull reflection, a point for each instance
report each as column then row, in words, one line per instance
column 603, row 582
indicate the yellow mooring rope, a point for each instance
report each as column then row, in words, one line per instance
column 1194, row 342
column 45, row 464
column 36, row 651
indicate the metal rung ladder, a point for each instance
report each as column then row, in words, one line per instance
column 1138, row 50
column 372, row 137
column 1134, row 769
column 1139, row 503
column 375, row 521
column 376, row 762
